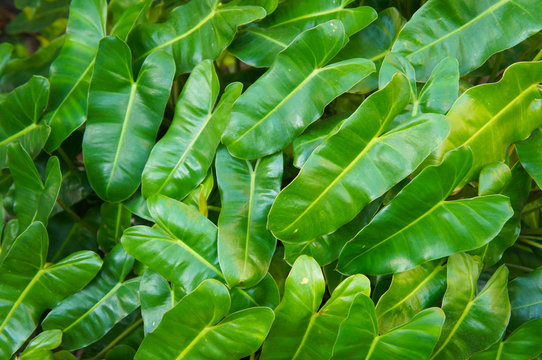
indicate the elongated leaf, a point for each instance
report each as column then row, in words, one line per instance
column 115, row 219
column 29, row 287
column 473, row 321
column 88, row 315
column 196, row 31
column 420, row 225
column 123, row 117
column 181, row 159
column 499, row 114
column 471, row 30
column 303, row 330
column 196, row 328
column 411, row 292
column 245, row 246
column 530, row 155
column 71, row 71
column 359, row 335
column 40, row 347
column 524, row 343
column 307, row 208
column 526, row 298
column 259, row 45
column 264, row 122
column 20, row 111
column 34, row 199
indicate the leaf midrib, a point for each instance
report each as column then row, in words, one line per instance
column 252, row 172
column 193, row 343
column 311, row 15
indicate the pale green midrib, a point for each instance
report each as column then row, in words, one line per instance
column 21, row 297
column 305, row 335
column 260, row 34
column 252, row 173
column 454, row 329
column 117, row 222
column 94, row 307
column 486, row 12
column 18, row 134
column 193, row 343
column 499, row 352
column 187, row 150
column 372, row 348
column 250, row 298
column 133, row 91
column 308, row 16
column 118, row 339
column 527, row 305
column 428, row 278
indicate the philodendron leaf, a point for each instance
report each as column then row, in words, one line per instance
column 71, row 71
column 419, row 224
column 266, row 293
column 20, row 111
column 196, row 31
column 259, row 45
column 410, row 292
column 129, row 18
column 245, row 246
column 30, row 286
column 359, row 335
column 303, row 330
column 530, row 156
column 181, row 159
column 523, row 344
column 526, row 298
column 198, row 328
column 115, row 218
column 473, row 321
column 123, row 117
column 264, row 122
column 471, row 30
column 499, row 114
column 34, row 199
column 441, row 90
column 5, row 54
column 89, row 314
column 493, row 178
column 307, row 208
column 40, row 347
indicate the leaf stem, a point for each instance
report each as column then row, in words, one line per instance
column 118, row 339
column 538, row 56
column 76, row 217
column 214, row 208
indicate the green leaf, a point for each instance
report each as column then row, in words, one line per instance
column 265, row 293
column 129, row 18
column 123, row 117
column 5, row 54
column 42, row 16
column 499, row 114
column 20, row 111
column 196, row 31
column 89, row 314
column 526, row 298
column 302, row 210
column 247, row 190
column 259, row 45
column 34, row 199
column 530, row 156
column 473, row 321
column 419, row 224
column 359, row 335
column 303, row 330
column 40, row 347
column 181, row 159
column 264, row 122
column 524, row 343
column 196, row 328
column 470, row 30
column 493, row 178
column 115, row 218
column 30, row 286
column 411, row 292
column 441, row 90
column 71, row 71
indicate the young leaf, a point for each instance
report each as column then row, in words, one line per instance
column 245, row 246
column 526, row 298
column 115, row 219
column 196, row 328
column 493, row 178
column 264, row 122
column 123, row 117
column 89, row 314
column 40, row 347
column 265, row 293
column 441, row 90
column 420, row 225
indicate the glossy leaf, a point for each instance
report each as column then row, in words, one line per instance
column 264, row 122
column 303, row 210
column 71, row 71
column 196, row 31
column 303, row 330
column 493, row 178
column 20, row 111
column 411, row 292
column 129, row 18
column 30, row 286
column 419, row 224
column 266, row 293
column 245, row 246
column 439, row 29
column 123, row 117
column 259, row 45
column 181, row 159
column 359, row 335
column 526, row 298
column 500, row 114
column 198, row 328
column 474, row 321
column 89, row 314
column 530, row 155
column 441, row 90
column 115, row 219
column 40, row 347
